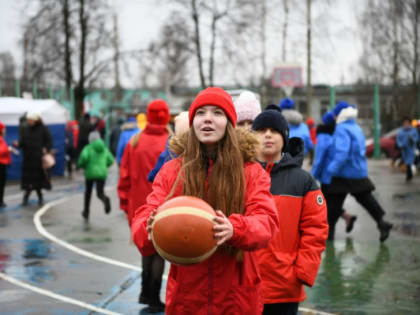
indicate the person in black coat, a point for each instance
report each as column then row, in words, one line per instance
column 34, row 141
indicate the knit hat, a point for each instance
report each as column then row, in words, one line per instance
column 181, row 123
column 328, row 118
column 273, row 119
column 310, row 122
column 287, row 103
column 32, row 115
column 339, row 107
column 247, row 106
column 94, row 135
column 273, row 106
column 158, row 112
column 217, row 97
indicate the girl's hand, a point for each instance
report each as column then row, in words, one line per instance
column 150, row 223
column 223, row 229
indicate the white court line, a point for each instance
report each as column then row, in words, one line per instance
column 57, row 296
column 45, row 233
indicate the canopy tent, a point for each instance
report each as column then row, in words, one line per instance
column 54, row 116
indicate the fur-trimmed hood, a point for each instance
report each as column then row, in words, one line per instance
column 292, row 116
column 248, row 143
column 346, row 114
column 129, row 125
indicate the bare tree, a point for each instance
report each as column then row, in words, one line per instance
column 67, row 41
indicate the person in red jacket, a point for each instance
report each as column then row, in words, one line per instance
column 5, row 159
column 139, row 158
column 310, row 122
column 293, row 256
column 215, row 163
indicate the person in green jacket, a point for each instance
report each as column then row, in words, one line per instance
column 95, row 160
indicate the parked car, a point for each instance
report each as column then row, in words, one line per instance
column 387, row 143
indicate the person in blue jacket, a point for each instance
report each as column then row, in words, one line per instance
column 324, row 153
column 348, row 171
column 181, row 126
column 128, row 129
column 407, row 138
column 296, row 126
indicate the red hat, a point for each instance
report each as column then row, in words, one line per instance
column 310, row 121
column 158, row 112
column 217, row 97
column 2, row 126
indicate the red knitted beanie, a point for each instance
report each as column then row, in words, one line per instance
column 158, row 112
column 217, row 97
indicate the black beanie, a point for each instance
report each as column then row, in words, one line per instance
column 272, row 118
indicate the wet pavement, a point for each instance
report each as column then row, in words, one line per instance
column 358, row 275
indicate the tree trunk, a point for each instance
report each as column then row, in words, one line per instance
column 395, row 60
column 117, row 87
column 285, row 25
column 308, row 70
column 263, row 50
column 67, row 52
column 198, row 43
column 212, row 48
column 416, row 9
column 83, row 37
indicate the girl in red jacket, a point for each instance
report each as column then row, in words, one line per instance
column 5, row 159
column 215, row 163
column 293, row 256
column 139, row 158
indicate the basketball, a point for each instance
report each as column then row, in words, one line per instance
column 182, row 230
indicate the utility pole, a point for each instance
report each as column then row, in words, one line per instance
column 308, row 70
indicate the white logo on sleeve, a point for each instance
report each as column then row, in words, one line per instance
column 319, row 200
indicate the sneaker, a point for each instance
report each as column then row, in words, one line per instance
column 156, row 307
column 350, row 223
column 384, row 229
column 85, row 215
column 107, row 206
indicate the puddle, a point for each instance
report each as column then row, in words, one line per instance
column 407, row 195
column 27, row 259
column 368, row 278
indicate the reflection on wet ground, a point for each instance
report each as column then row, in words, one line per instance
column 368, row 278
column 26, row 259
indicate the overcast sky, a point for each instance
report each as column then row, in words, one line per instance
column 334, row 59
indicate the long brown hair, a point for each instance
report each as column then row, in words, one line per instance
column 225, row 188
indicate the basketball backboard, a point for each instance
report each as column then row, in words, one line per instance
column 287, row 77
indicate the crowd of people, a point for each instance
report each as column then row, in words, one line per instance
column 272, row 217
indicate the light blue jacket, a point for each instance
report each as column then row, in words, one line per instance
column 324, row 154
column 349, row 146
column 122, row 142
column 407, row 141
column 302, row 131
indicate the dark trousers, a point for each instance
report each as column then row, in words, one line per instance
column 335, row 205
column 2, row 181
column 100, row 183
column 28, row 193
column 151, row 277
column 281, row 309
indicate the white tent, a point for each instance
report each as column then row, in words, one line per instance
column 12, row 108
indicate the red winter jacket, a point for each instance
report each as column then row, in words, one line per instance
column 4, row 152
column 220, row 284
column 293, row 256
column 136, row 164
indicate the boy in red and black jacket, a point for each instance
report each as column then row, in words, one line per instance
column 293, row 256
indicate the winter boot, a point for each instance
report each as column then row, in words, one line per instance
column 107, row 204
column 26, row 198
column 384, row 229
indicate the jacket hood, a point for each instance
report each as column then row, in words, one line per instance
column 248, row 143
column 292, row 158
column 329, row 129
column 292, row 116
column 347, row 114
column 98, row 145
column 129, row 125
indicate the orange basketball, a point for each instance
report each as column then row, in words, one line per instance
column 182, row 231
